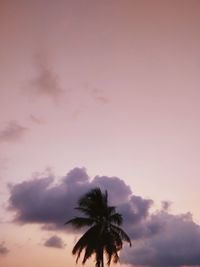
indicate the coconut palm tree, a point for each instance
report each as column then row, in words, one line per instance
column 104, row 237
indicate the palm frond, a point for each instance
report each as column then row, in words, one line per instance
column 84, row 210
column 111, row 253
column 105, row 235
column 122, row 234
column 88, row 253
column 95, row 195
column 111, row 210
column 116, row 218
column 79, row 222
column 87, row 242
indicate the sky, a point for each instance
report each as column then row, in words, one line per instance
column 99, row 93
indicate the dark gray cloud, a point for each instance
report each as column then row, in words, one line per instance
column 41, row 201
column 137, row 220
column 13, row 132
column 177, row 244
column 46, row 82
column 3, row 249
column 54, row 242
column 166, row 205
column 160, row 239
column 119, row 192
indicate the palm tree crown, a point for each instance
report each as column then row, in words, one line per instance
column 104, row 235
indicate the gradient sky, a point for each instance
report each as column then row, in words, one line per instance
column 111, row 86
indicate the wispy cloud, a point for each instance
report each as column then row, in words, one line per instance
column 54, row 242
column 99, row 96
column 3, row 249
column 13, row 132
column 46, row 83
column 36, row 120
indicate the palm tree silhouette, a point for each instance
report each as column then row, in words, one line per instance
column 104, row 235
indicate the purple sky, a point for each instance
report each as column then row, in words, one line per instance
column 113, row 87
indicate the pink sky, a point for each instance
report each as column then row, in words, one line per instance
column 112, row 86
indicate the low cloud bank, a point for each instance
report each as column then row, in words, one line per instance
column 159, row 239
column 41, row 201
column 176, row 244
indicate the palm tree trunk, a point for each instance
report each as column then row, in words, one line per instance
column 102, row 260
column 99, row 259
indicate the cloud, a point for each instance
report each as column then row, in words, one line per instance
column 54, row 242
column 3, row 249
column 166, row 205
column 41, row 201
column 36, row 120
column 46, row 82
column 138, row 222
column 160, row 239
column 177, row 244
column 99, row 96
column 95, row 93
column 13, row 132
column 119, row 192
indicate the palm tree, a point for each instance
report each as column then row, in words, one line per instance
column 104, row 235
